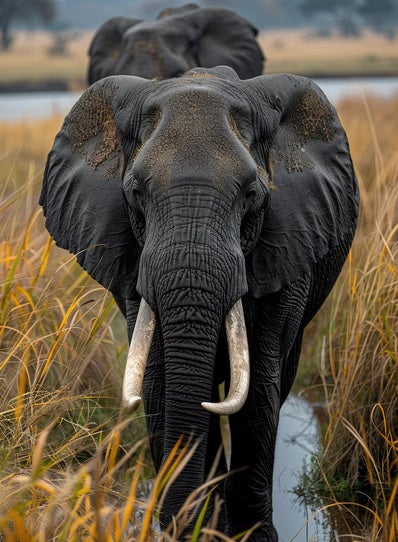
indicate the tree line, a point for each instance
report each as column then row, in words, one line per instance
column 349, row 17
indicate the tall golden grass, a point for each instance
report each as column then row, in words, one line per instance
column 359, row 355
column 71, row 466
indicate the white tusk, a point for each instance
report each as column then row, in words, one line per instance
column 137, row 356
column 238, row 349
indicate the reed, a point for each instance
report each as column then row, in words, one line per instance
column 359, row 356
column 86, row 503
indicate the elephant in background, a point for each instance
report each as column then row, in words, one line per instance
column 219, row 213
column 179, row 39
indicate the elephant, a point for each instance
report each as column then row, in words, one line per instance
column 179, row 39
column 219, row 213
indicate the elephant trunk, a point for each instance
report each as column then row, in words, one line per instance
column 190, row 339
column 193, row 290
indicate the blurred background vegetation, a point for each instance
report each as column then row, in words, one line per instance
column 349, row 17
column 44, row 42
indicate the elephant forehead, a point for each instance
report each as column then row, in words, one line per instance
column 197, row 93
column 195, row 117
column 194, row 136
column 189, row 114
column 195, row 99
column 176, row 153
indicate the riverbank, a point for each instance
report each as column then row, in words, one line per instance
column 41, row 104
column 45, row 85
column 29, row 66
column 63, row 85
column 302, row 52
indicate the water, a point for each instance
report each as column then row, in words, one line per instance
column 297, row 442
column 35, row 105
column 337, row 88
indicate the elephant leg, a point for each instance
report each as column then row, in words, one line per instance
column 274, row 332
column 248, row 490
column 323, row 277
column 153, row 394
column 122, row 304
column 289, row 367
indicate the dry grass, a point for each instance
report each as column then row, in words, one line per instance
column 70, row 466
column 56, row 335
column 28, row 60
column 359, row 358
column 299, row 52
column 43, row 504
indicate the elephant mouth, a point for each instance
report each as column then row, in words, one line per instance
column 238, row 350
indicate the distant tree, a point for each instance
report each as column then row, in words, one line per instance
column 351, row 15
column 382, row 15
column 12, row 11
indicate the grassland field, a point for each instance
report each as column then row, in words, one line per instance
column 296, row 51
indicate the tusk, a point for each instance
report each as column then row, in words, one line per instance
column 137, row 356
column 238, row 349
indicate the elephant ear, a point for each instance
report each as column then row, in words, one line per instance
column 105, row 48
column 82, row 196
column 225, row 38
column 313, row 197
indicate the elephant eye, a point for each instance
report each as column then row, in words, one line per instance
column 155, row 115
column 251, row 192
column 239, row 131
column 150, row 123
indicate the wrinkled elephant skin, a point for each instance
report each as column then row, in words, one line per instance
column 205, row 198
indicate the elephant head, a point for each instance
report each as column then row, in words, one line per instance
column 179, row 39
column 192, row 194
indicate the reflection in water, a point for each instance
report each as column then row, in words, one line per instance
column 297, row 441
